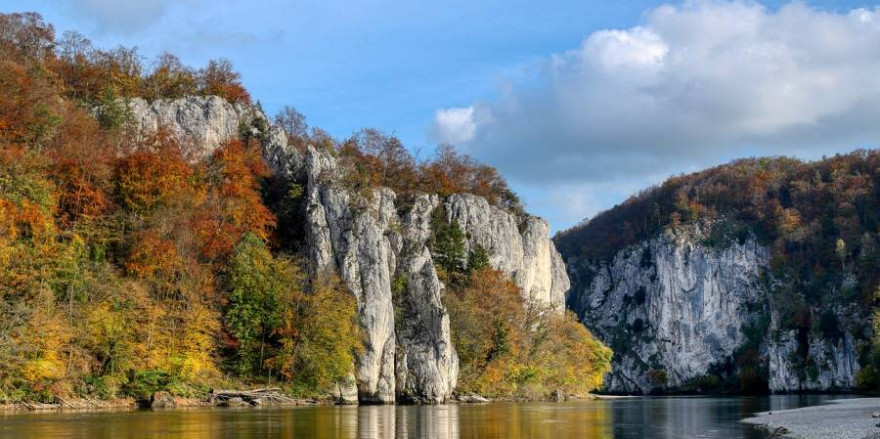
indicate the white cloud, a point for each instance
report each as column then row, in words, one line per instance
column 614, row 50
column 454, row 125
column 694, row 84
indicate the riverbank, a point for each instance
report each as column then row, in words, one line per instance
column 122, row 404
column 130, row 404
column 74, row 404
column 841, row 419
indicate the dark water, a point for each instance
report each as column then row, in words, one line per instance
column 660, row 418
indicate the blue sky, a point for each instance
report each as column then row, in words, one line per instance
column 552, row 92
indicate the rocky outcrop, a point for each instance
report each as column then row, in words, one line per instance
column 348, row 236
column 346, row 391
column 383, row 257
column 832, row 363
column 408, row 352
column 162, row 400
column 518, row 246
column 208, row 121
column 676, row 310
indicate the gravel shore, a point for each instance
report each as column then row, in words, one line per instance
column 842, row 419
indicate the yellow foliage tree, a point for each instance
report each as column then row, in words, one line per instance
column 510, row 347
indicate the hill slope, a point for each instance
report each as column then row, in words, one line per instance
column 753, row 275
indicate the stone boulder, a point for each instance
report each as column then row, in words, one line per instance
column 162, row 400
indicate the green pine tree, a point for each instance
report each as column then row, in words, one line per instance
column 478, row 259
column 448, row 247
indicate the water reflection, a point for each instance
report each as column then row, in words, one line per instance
column 617, row 419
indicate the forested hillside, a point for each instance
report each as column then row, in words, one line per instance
column 820, row 221
column 133, row 261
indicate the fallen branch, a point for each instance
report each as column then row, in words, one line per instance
column 270, row 395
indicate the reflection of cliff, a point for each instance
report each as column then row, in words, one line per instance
column 401, row 422
column 656, row 418
column 583, row 420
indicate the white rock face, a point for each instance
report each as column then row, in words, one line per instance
column 528, row 256
column 346, row 392
column 835, row 367
column 208, row 121
column 408, row 351
column 672, row 304
column 350, row 239
column 679, row 304
column 427, row 363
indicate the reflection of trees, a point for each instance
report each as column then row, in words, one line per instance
column 660, row 418
column 582, row 420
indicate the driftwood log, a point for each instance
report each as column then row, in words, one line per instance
column 270, row 395
column 72, row 404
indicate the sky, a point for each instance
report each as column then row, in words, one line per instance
column 579, row 103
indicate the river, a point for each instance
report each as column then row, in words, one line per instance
column 655, row 418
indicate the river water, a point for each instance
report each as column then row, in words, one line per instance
column 655, row 418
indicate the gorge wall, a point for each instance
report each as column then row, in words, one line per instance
column 379, row 248
column 682, row 313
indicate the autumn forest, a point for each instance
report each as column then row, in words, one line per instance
column 133, row 262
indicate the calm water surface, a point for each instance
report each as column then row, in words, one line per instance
column 660, row 418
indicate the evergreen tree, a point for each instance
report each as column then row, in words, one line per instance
column 478, row 259
column 448, row 247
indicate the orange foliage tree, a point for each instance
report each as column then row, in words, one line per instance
column 219, row 79
column 233, row 204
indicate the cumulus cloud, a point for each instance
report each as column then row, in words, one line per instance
column 454, row 125
column 694, row 84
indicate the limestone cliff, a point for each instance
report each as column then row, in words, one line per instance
column 380, row 250
column 677, row 310
column 383, row 257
